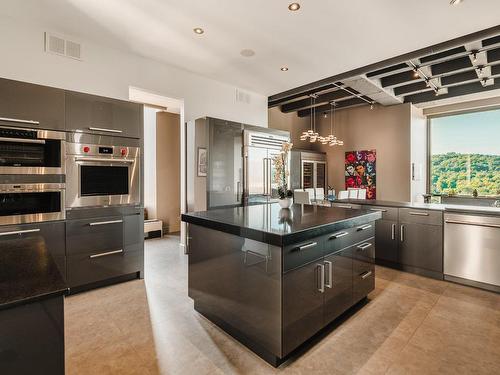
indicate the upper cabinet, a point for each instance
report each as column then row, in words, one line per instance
column 32, row 106
column 95, row 114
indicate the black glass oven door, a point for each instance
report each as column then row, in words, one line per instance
column 30, row 153
column 14, row 203
column 103, row 180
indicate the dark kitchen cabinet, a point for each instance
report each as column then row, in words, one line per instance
column 421, row 246
column 31, row 106
column 99, row 115
column 338, row 284
column 363, row 269
column 386, row 240
column 47, row 236
column 302, row 304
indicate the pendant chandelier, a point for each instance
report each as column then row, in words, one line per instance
column 313, row 135
column 332, row 140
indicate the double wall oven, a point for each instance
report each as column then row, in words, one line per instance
column 102, row 174
column 32, row 175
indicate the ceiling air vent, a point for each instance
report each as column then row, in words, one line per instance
column 242, row 96
column 62, row 47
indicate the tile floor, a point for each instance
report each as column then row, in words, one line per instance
column 412, row 325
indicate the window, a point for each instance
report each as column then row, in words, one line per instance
column 465, row 154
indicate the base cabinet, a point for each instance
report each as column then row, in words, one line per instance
column 386, row 239
column 338, row 285
column 421, row 246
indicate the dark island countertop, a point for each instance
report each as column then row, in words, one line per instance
column 270, row 224
column 426, row 206
column 28, row 273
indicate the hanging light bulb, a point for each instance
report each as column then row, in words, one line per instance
column 415, row 72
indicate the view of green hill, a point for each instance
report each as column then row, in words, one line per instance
column 462, row 173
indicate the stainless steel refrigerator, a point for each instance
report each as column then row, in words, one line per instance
column 260, row 147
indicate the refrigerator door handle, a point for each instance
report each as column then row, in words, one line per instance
column 270, row 180
column 264, row 171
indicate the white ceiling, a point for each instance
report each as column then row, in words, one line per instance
column 322, row 39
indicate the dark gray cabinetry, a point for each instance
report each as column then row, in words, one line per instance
column 32, row 338
column 42, row 236
column 302, row 304
column 33, row 106
column 95, row 114
column 103, row 248
column 363, row 269
column 338, row 284
column 386, row 239
column 421, row 240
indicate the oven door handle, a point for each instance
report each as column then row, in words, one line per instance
column 105, row 160
column 22, row 140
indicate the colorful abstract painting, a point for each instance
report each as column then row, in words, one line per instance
column 361, row 171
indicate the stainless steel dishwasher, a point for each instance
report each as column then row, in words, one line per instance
column 472, row 249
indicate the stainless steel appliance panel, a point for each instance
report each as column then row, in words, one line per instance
column 472, row 247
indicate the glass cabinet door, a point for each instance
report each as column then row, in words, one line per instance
column 307, row 175
column 321, row 176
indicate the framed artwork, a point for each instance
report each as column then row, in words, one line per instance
column 202, row 162
column 361, row 171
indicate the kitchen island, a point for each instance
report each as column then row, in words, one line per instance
column 272, row 278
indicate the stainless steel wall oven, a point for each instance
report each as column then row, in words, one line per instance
column 102, row 175
column 31, row 151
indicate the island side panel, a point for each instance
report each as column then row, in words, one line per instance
column 236, row 283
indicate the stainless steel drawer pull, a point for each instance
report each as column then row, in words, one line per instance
column 20, row 232
column 338, row 235
column 321, row 287
column 393, row 231
column 106, row 160
column 364, row 246
column 19, row 120
column 105, row 130
column 471, row 223
column 364, row 227
column 308, row 246
column 378, row 209
column 343, row 206
column 366, row 274
column 329, row 284
column 402, row 234
column 106, row 222
column 418, row 213
column 22, row 140
column 106, row 254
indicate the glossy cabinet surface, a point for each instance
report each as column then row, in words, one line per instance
column 386, row 240
column 421, row 246
column 338, row 284
column 38, row 106
column 99, row 115
column 363, row 268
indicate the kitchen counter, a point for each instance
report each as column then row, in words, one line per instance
column 272, row 278
column 28, row 273
column 427, row 206
column 270, row 224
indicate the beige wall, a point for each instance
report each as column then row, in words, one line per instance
column 292, row 123
column 168, row 170
column 385, row 129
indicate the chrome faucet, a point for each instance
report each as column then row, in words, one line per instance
column 496, row 203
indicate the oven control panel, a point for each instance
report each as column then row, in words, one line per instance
column 98, row 150
column 17, row 133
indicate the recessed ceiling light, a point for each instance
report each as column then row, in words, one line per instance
column 284, row 69
column 294, row 7
column 247, row 52
column 455, row 2
column 198, row 30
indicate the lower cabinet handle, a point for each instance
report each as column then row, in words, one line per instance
column 321, row 287
column 402, row 233
column 20, row 232
column 338, row 235
column 106, row 254
column 366, row 274
column 418, row 213
column 364, row 227
column 106, row 222
column 364, row 246
column 329, row 284
column 343, row 206
column 308, row 246
column 393, row 231
column 378, row 209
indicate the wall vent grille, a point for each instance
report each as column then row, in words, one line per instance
column 60, row 46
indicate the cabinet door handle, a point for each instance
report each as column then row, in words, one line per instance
column 343, row 206
column 378, row 209
column 329, row 284
column 22, row 140
column 402, row 233
column 106, row 254
column 105, row 130
column 321, row 287
column 19, row 120
column 364, row 227
column 364, row 246
column 20, row 232
column 393, row 231
column 307, row 246
column 366, row 274
column 473, row 224
column 106, row 222
column 338, row 235
column 418, row 213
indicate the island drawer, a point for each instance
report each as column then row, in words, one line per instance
column 301, row 253
column 363, row 268
column 419, row 216
column 346, row 237
column 388, row 213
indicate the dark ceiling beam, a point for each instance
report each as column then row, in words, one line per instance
column 495, row 70
column 321, row 99
column 455, row 91
column 388, row 71
column 491, row 41
column 411, row 88
column 443, row 55
column 340, row 105
column 399, row 79
column 458, row 78
column 451, row 66
column 480, row 35
column 275, row 103
column 493, row 55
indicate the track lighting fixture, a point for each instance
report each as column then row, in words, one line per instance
column 371, row 105
column 455, row 2
column 415, row 72
column 474, row 57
